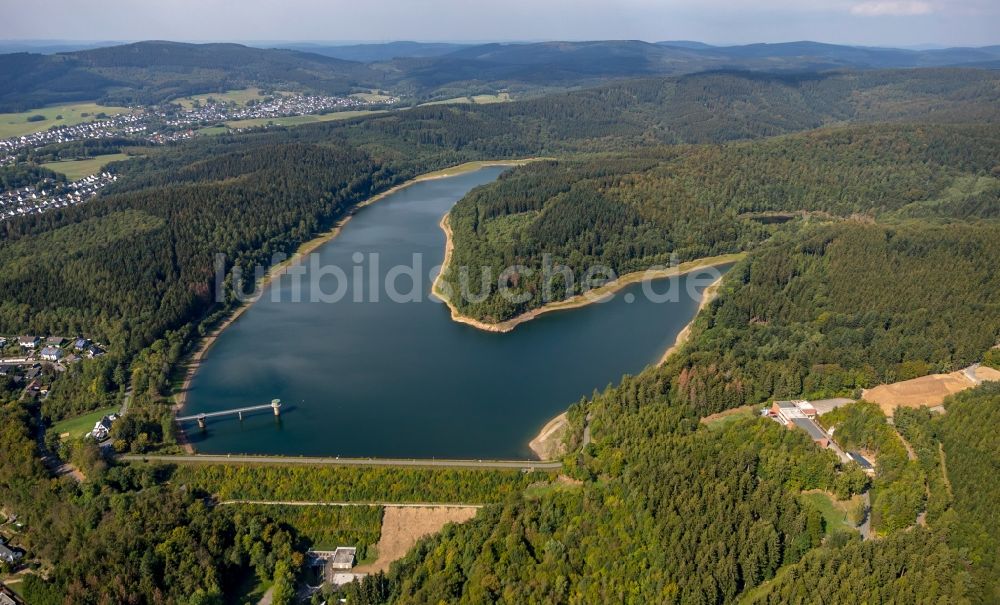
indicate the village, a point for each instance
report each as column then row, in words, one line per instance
column 171, row 122
column 31, row 200
column 25, row 359
column 278, row 106
column 157, row 125
column 130, row 124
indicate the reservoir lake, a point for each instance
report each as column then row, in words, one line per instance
column 402, row 380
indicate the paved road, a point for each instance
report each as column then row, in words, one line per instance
column 866, row 527
column 126, row 401
column 526, row 465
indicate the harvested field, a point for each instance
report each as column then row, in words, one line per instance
column 927, row 390
column 403, row 526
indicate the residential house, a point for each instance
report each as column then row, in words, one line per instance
column 55, row 341
column 102, row 429
column 8, row 554
column 81, row 344
column 3, row 342
column 94, row 351
column 52, row 353
column 28, row 342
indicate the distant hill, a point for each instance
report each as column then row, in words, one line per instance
column 685, row 44
column 564, row 64
column 48, row 47
column 148, row 72
column 370, row 53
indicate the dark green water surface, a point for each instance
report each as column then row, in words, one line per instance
column 386, row 379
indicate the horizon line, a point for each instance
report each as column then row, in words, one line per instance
column 251, row 42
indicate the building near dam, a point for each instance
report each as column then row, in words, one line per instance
column 799, row 414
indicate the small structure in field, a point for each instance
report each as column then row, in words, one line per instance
column 102, row 429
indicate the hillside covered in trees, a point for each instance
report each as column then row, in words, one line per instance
column 155, row 71
column 890, row 273
column 636, row 211
column 633, row 531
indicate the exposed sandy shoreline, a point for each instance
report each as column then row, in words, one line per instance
column 205, row 344
column 551, row 434
column 706, row 297
column 547, row 444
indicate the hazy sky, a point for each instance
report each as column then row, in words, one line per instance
column 871, row 22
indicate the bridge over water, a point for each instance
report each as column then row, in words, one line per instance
column 275, row 406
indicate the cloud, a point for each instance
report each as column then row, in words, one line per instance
column 880, row 8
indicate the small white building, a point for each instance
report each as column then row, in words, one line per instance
column 102, row 429
column 343, row 558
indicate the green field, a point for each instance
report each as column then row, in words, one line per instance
column 297, row 120
column 836, row 513
column 76, row 169
column 372, row 97
column 240, row 97
column 212, row 131
column 17, row 124
column 718, row 422
column 81, row 425
column 501, row 97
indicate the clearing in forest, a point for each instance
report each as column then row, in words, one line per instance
column 927, row 390
column 403, row 526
